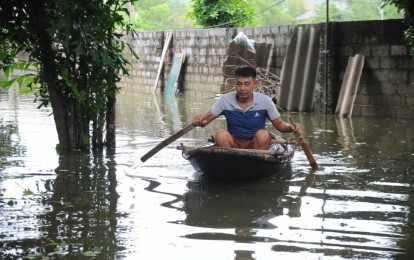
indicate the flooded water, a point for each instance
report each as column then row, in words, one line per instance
column 359, row 205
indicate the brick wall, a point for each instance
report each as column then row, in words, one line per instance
column 387, row 82
column 386, row 86
column 206, row 51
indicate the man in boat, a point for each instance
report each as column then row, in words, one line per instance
column 246, row 112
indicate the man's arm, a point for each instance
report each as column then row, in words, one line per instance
column 203, row 120
column 284, row 127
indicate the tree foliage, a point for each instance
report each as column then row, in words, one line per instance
column 349, row 10
column 77, row 49
column 175, row 14
column 272, row 14
column 222, row 13
column 335, row 14
column 161, row 14
column 406, row 6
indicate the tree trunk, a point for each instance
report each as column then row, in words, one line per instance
column 62, row 110
column 110, row 122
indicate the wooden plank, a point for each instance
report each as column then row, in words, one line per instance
column 273, row 141
column 164, row 51
column 171, row 87
column 350, row 85
column 211, row 149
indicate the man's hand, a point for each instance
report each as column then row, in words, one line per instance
column 296, row 129
column 203, row 120
column 199, row 120
column 284, row 127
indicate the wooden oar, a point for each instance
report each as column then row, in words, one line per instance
column 301, row 140
column 167, row 141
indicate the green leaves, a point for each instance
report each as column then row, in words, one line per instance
column 231, row 13
column 17, row 70
column 161, row 14
column 406, row 7
column 27, row 192
column 75, row 50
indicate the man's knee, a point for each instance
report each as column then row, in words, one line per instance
column 221, row 132
column 261, row 140
column 223, row 138
column 262, row 135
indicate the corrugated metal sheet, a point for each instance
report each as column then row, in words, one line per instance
column 350, row 86
column 171, row 88
column 300, row 69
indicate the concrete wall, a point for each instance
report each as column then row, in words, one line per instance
column 386, row 86
column 387, row 82
column 206, row 52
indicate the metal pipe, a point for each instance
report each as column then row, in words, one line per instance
column 326, row 53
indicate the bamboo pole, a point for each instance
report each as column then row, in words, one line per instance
column 164, row 51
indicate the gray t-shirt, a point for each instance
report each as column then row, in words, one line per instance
column 243, row 124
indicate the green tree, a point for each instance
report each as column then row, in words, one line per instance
column 295, row 7
column 76, row 47
column 391, row 12
column 348, row 10
column 407, row 7
column 161, row 14
column 221, row 13
column 269, row 13
column 370, row 10
column 335, row 14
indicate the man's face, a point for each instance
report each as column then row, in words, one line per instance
column 245, row 86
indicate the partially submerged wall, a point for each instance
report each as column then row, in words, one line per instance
column 386, row 87
column 387, row 82
column 206, row 52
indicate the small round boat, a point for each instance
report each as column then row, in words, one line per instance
column 232, row 164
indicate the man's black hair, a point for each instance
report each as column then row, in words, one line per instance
column 245, row 71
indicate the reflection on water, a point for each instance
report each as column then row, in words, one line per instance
column 224, row 205
column 71, row 213
column 358, row 205
column 241, row 206
column 345, row 134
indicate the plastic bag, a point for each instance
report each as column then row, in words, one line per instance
column 242, row 38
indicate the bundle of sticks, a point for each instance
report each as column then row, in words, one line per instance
column 268, row 82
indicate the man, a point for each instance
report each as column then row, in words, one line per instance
column 246, row 112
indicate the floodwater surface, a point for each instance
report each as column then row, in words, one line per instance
column 358, row 205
